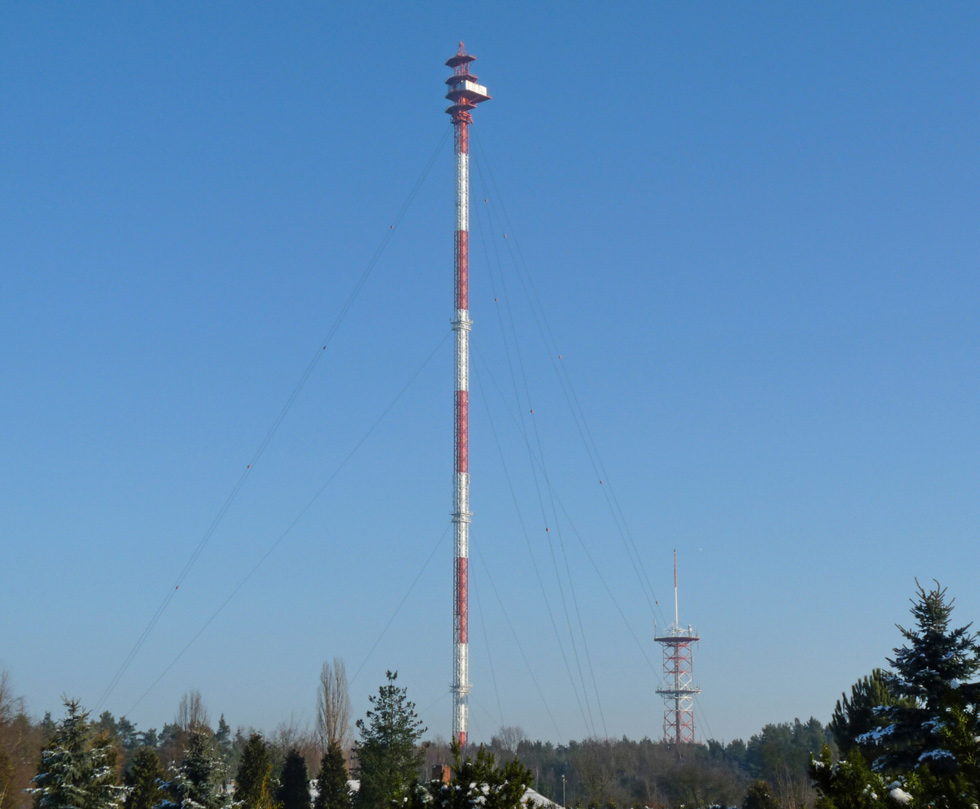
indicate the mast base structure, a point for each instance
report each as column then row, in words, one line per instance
column 678, row 690
column 464, row 94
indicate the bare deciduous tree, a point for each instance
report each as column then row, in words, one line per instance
column 191, row 713
column 10, row 705
column 507, row 739
column 21, row 741
column 333, row 706
column 294, row 735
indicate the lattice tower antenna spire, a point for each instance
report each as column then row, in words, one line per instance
column 678, row 689
column 464, row 94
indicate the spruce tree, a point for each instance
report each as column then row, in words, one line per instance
column 144, row 781
column 253, row 782
column 931, row 673
column 294, row 783
column 78, row 768
column 222, row 739
column 332, row 791
column 196, row 782
column 388, row 752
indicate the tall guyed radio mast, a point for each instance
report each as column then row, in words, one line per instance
column 678, row 689
column 465, row 94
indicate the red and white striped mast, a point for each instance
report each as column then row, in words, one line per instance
column 465, row 94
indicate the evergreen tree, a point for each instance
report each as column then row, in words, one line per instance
column 476, row 782
column 107, row 722
column 332, row 791
column 197, row 779
column 238, row 742
column 48, row 726
column 780, row 754
column 78, row 768
column 388, row 752
column 144, row 780
column 759, row 796
column 294, row 783
column 253, row 782
column 931, row 674
column 851, row 784
column 222, row 739
column 855, row 716
column 954, row 787
column 128, row 739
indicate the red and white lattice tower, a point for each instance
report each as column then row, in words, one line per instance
column 678, row 689
column 465, row 94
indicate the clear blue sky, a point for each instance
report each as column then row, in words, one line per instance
column 754, row 228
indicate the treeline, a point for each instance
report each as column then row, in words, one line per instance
column 607, row 773
column 591, row 773
column 908, row 736
column 25, row 741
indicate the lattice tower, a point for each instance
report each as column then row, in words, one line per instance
column 678, row 689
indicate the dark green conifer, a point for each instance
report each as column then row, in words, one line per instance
column 253, row 781
column 931, row 674
column 196, row 781
column 294, row 783
column 78, row 768
column 222, row 739
column 332, row 791
column 145, row 780
column 759, row 796
column 388, row 754
column 476, row 782
column 860, row 713
column 849, row 783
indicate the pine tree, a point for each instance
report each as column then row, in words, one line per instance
column 294, row 783
column 851, row 784
column 930, row 672
column 128, row 737
column 858, row 714
column 332, row 791
column 388, row 752
column 144, row 780
column 196, row 781
column 78, row 768
column 476, row 782
column 253, row 782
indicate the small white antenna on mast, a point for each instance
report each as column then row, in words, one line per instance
column 677, row 620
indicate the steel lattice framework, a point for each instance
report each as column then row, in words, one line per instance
column 465, row 94
column 678, row 689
